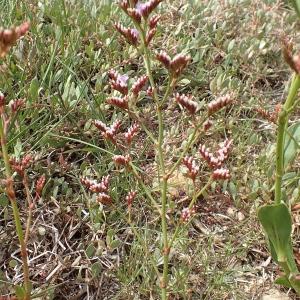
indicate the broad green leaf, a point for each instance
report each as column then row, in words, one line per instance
column 277, row 223
column 90, row 250
column 96, row 269
column 292, row 140
column 284, row 281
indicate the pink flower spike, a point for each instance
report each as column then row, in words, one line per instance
column 121, row 160
column 139, row 84
column 187, row 213
column 135, row 14
column 15, row 105
column 219, row 103
column 150, row 36
column 100, row 125
column 164, row 58
column 119, row 102
column 130, row 197
column 153, row 21
column 131, row 133
column 190, row 163
column 104, row 198
column 178, row 64
column 187, row 103
column 221, row 174
column 130, row 34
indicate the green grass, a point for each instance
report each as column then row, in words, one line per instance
column 60, row 68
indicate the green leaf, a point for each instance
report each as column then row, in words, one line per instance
column 90, row 250
column 115, row 244
column 96, row 269
column 277, row 223
column 295, row 282
column 20, row 292
column 296, row 4
column 284, row 281
column 34, row 90
column 292, row 140
column 3, row 200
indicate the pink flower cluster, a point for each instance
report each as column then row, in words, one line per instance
column 130, row 34
column 8, row 37
column 130, row 197
column 219, row 103
column 187, row 213
column 193, row 168
column 21, row 165
column 121, row 160
column 119, row 83
column 187, row 103
column 131, row 133
column 140, row 10
column 100, row 187
column 175, row 65
column 108, row 132
column 216, row 160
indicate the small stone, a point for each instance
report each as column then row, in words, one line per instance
column 231, row 211
column 41, row 230
column 240, row 216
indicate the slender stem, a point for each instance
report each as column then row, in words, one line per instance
column 193, row 138
column 11, row 194
column 162, row 177
column 282, row 124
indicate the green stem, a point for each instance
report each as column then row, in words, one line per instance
column 282, row 124
column 16, row 213
column 163, row 179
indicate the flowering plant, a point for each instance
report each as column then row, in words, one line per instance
column 126, row 97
